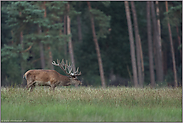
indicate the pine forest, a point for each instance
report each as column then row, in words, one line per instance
column 114, row 43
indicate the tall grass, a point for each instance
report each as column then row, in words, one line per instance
column 91, row 104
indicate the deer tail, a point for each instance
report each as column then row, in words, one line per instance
column 25, row 76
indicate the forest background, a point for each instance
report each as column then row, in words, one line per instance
column 113, row 43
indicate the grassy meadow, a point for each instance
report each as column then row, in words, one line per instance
column 87, row 104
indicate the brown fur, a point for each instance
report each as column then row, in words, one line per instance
column 50, row 78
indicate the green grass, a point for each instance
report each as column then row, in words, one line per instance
column 91, row 104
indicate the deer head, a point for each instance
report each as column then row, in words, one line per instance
column 68, row 70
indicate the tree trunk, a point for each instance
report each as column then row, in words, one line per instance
column 50, row 58
column 159, row 70
column 155, row 52
column 22, row 66
column 138, row 46
column 142, row 61
column 132, row 48
column 70, row 41
column 41, row 50
column 172, row 49
column 22, row 62
column 60, row 33
column 165, row 69
column 97, row 48
column 150, row 46
column 41, row 45
column 65, row 30
column 159, row 32
column 158, row 23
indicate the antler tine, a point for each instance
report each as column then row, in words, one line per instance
column 54, row 63
column 63, row 64
column 69, row 68
column 79, row 73
column 77, row 70
column 57, row 61
column 66, row 64
column 76, row 73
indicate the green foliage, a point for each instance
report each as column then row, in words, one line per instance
column 25, row 55
column 106, row 3
column 102, row 22
column 173, row 16
column 9, row 68
column 22, row 13
column 8, row 52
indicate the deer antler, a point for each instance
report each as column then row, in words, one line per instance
column 65, row 67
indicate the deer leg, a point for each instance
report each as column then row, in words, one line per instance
column 30, row 84
column 32, row 87
column 52, row 87
column 27, row 87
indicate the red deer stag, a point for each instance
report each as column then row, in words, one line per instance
column 52, row 78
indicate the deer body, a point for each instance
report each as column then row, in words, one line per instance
column 51, row 78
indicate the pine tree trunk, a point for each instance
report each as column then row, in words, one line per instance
column 155, row 51
column 41, row 44
column 159, row 68
column 65, row 30
column 50, row 58
column 158, row 23
column 172, row 49
column 132, row 48
column 70, row 41
column 97, row 48
column 159, row 32
column 21, row 41
column 41, row 50
column 165, row 59
column 60, row 33
column 150, row 46
column 22, row 66
column 142, row 61
column 138, row 47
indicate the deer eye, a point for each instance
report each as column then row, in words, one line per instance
column 74, row 77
